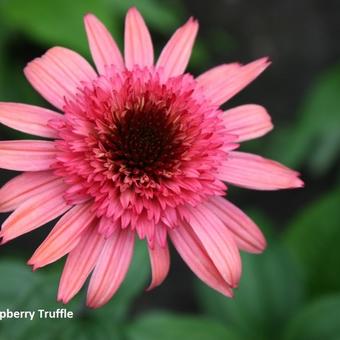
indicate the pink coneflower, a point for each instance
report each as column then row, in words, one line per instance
column 141, row 148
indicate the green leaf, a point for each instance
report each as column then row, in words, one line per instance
column 270, row 291
column 13, row 84
column 318, row 320
column 166, row 326
column 54, row 22
column 12, row 290
column 264, row 222
column 315, row 138
column 3, row 38
column 162, row 16
column 200, row 55
column 314, row 237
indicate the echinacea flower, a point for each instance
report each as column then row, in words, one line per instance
column 141, row 148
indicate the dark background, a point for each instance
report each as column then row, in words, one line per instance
column 292, row 291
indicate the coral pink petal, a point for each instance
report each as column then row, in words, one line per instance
column 35, row 212
column 247, row 235
column 79, row 264
column 216, row 75
column 64, row 236
column 192, row 252
column 104, row 49
column 111, row 267
column 223, row 82
column 175, row 56
column 28, row 118
column 218, row 242
column 255, row 172
column 138, row 49
column 160, row 264
column 106, row 226
column 247, row 122
column 22, row 187
column 58, row 74
column 27, row 155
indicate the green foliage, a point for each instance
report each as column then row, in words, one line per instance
column 315, row 138
column 314, row 237
column 165, row 326
column 2, row 53
column 162, row 16
column 60, row 22
column 54, row 22
column 317, row 320
column 264, row 222
column 269, row 293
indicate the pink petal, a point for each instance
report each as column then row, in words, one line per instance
column 192, row 252
column 223, row 82
column 28, row 118
column 255, row 172
column 247, row 122
column 160, row 264
column 138, row 45
column 22, row 187
column 65, row 235
column 106, row 226
column 104, row 49
column 175, row 55
column 218, row 242
column 111, row 268
column 58, row 74
column 79, row 264
column 27, row 155
column 35, row 212
column 247, row 235
column 218, row 74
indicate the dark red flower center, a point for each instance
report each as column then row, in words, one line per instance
column 146, row 140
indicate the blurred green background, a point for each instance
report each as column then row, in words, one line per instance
column 292, row 291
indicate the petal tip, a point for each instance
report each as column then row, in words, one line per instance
column 265, row 60
column 28, row 67
column 150, row 287
column 33, row 266
column 260, row 246
column 192, row 24
column 89, row 16
column 93, row 304
column 32, row 263
column 298, row 183
column 133, row 9
column 261, row 64
column 270, row 124
column 63, row 299
column 3, row 237
column 234, row 283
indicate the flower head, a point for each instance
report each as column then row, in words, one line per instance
column 141, row 148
